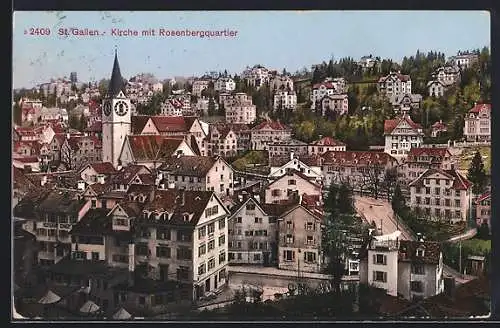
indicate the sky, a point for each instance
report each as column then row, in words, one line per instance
column 275, row 39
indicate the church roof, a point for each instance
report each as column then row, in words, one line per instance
column 116, row 84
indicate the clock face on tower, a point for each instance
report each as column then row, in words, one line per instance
column 107, row 108
column 121, row 108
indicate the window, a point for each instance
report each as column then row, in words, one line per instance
column 222, row 223
column 309, row 257
column 437, row 191
column 202, row 250
column 103, row 203
column 211, row 228
column 292, row 182
column 142, row 300
column 212, row 211
column 95, row 256
column 256, row 257
column 309, row 226
column 420, row 252
column 211, row 264
column 380, row 259
column 238, row 219
column 427, row 190
column 250, row 207
column 289, row 255
column 202, row 269
column 183, row 235
column 417, row 269
column 437, row 201
column 276, row 193
column 289, row 224
column 240, row 256
column 183, row 273
column 457, row 202
column 211, row 245
column 380, row 276
column 416, row 286
column 202, row 232
column 141, row 250
column 222, row 240
column 162, row 251
column 163, row 234
column 222, row 257
column 289, row 239
column 94, row 203
column 258, row 220
column 310, row 240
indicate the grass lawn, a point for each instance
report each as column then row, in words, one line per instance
column 250, row 159
column 468, row 154
column 436, row 231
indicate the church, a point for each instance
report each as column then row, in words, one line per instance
column 116, row 117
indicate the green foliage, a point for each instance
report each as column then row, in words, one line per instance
column 211, row 106
column 398, row 201
column 17, row 113
column 153, row 107
column 252, row 157
column 474, row 247
column 483, row 232
column 477, row 174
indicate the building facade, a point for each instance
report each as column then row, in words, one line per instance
column 478, row 124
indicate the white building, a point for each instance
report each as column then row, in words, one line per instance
column 224, row 84
column 199, row 86
column 402, row 134
column 256, row 76
column 278, row 82
column 411, row 269
column 290, row 185
column 336, row 104
column 394, row 84
column 269, row 132
column 321, row 90
column 240, row 109
column 285, row 99
column 478, row 123
column 441, row 195
column 464, row 61
column 324, row 144
column 436, row 89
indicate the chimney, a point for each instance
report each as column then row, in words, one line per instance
column 131, row 264
column 44, row 180
column 100, row 179
column 291, row 155
column 67, row 135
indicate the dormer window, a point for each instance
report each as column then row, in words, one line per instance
column 186, row 217
column 420, row 252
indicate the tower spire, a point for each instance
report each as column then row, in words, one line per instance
column 116, row 84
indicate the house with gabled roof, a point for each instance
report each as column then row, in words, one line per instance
column 394, row 84
column 402, row 134
column 151, row 150
column 299, row 241
column 252, row 230
column 309, row 165
column 443, row 195
column 95, row 172
column 291, row 185
column 268, row 132
column 324, row 144
column 77, row 151
column 478, row 123
column 483, row 209
column 422, row 158
column 197, row 173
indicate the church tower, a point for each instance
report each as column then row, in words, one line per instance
column 115, row 117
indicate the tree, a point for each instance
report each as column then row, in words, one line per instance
column 483, row 231
column 211, row 107
column 372, row 179
column 390, row 181
column 74, row 122
column 477, row 174
column 398, row 201
column 83, row 122
column 17, row 113
column 345, row 203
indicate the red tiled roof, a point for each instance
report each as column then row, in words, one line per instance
column 103, row 168
column 408, row 251
column 435, row 152
column 128, row 173
column 478, row 107
column 74, row 140
column 273, row 125
column 486, row 195
column 28, row 159
column 170, row 123
column 291, row 173
column 153, row 147
column 357, row 158
column 390, row 125
column 138, row 122
column 327, row 141
column 328, row 85
column 459, row 182
column 35, row 145
column 309, row 160
column 402, row 77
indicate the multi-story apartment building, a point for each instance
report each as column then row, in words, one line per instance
column 447, row 75
column 222, row 140
column 402, row 134
column 50, row 215
column 240, row 109
column 324, row 144
column 268, row 132
column 326, row 88
column 411, row 269
column 200, row 85
column 442, row 194
column 77, row 151
column 421, row 159
column 253, row 232
column 483, row 209
column 172, row 107
column 362, row 170
column 197, row 173
column 436, row 88
column 286, row 147
column 256, row 76
column 394, row 84
column 367, row 62
column 478, row 123
column 224, row 84
column 334, row 105
column 289, row 186
column 299, row 243
column 285, row 99
column 464, row 61
column 202, row 104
